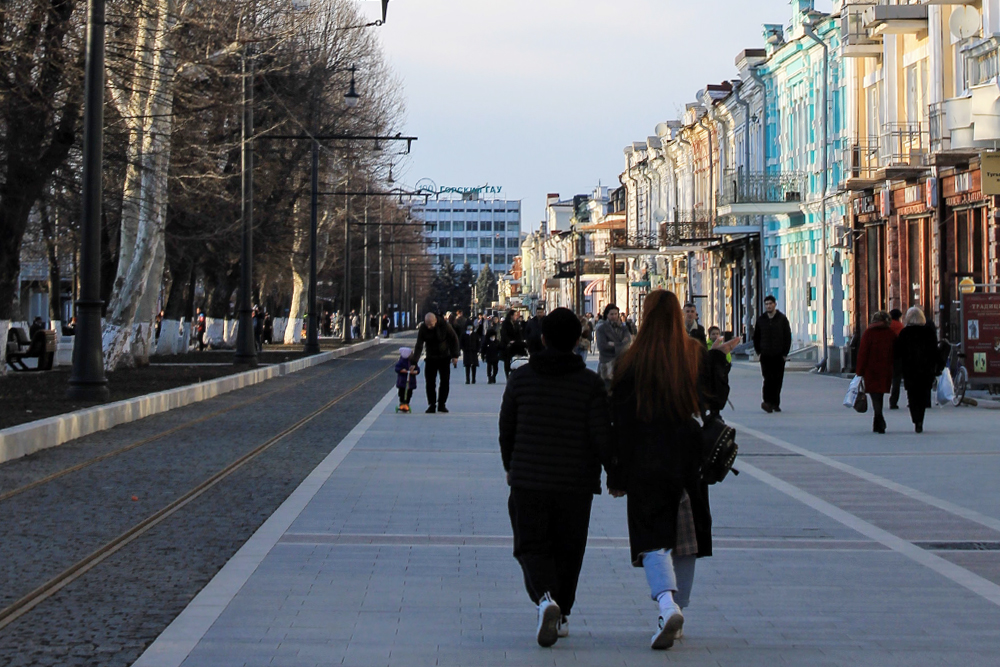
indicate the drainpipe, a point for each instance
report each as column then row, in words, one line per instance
column 711, row 175
column 808, row 28
column 690, row 255
column 747, row 286
column 762, row 279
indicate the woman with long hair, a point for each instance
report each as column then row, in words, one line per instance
column 916, row 352
column 662, row 383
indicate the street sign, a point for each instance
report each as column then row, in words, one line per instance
column 967, row 285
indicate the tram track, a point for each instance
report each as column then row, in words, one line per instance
column 54, row 584
column 51, row 477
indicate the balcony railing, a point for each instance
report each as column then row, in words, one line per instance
column 904, row 145
column 687, row 227
column 861, row 159
column 856, row 39
column 761, row 187
column 939, row 134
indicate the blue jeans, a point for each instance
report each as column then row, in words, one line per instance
column 666, row 572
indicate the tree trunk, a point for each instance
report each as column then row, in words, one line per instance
column 120, row 333
column 4, row 328
column 55, row 281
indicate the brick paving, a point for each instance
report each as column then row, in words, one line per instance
column 401, row 555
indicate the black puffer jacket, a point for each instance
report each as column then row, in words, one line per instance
column 555, row 425
column 773, row 335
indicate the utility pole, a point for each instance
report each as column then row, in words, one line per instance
column 312, row 324
column 246, row 347
column 366, row 316
column 87, row 381
column 347, row 263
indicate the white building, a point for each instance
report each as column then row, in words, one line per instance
column 473, row 231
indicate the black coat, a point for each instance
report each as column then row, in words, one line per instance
column 441, row 342
column 772, row 336
column 471, row 344
column 657, row 461
column 511, row 338
column 491, row 350
column 917, row 354
column 555, row 425
column 533, row 334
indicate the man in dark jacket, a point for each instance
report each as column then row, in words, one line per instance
column 442, row 348
column 533, row 331
column 694, row 329
column 772, row 340
column 554, row 436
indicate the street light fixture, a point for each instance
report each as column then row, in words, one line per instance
column 351, row 97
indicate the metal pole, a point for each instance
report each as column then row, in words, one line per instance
column 381, row 267
column 312, row 324
column 347, row 265
column 823, row 175
column 246, row 348
column 366, row 316
column 87, row 381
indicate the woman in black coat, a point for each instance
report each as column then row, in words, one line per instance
column 662, row 381
column 471, row 341
column 916, row 353
column 511, row 339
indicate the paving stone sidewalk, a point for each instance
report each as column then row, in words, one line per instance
column 399, row 553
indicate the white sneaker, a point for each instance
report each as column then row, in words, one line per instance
column 669, row 628
column 563, row 627
column 548, row 621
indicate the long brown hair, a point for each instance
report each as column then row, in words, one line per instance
column 663, row 361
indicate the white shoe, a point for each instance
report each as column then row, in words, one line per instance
column 548, row 621
column 670, row 627
column 563, row 627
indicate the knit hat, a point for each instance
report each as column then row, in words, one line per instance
column 405, row 352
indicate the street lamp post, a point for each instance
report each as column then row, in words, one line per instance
column 87, row 381
column 246, row 346
column 312, row 333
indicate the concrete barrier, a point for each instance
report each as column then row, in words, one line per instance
column 24, row 439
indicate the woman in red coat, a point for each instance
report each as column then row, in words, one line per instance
column 875, row 363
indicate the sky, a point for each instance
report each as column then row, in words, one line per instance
column 540, row 96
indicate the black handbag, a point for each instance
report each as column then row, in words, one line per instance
column 861, row 400
column 719, row 449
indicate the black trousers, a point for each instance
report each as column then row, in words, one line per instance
column 918, row 395
column 405, row 393
column 506, row 364
column 772, row 368
column 897, row 380
column 492, row 368
column 432, row 368
column 550, row 538
column 470, row 373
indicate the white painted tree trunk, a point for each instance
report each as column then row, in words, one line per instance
column 185, row 342
column 119, row 332
column 170, row 337
column 143, row 345
column 4, row 328
column 280, row 325
column 214, row 332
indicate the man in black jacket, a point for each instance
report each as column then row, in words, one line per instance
column 442, row 348
column 554, row 436
column 772, row 340
column 533, row 331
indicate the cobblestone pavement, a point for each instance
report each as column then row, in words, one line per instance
column 835, row 546
column 108, row 616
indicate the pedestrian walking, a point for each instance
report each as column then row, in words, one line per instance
column 896, row 324
column 491, row 355
column 460, row 321
column 355, row 325
column 586, row 337
column 200, row 328
column 511, row 339
column 772, row 341
column 258, row 329
column 612, row 339
column 917, row 353
column 875, row 364
column 533, row 331
column 406, row 378
column 471, row 342
column 384, row 327
column 664, row 380
column 442, row 347
column 554, row 438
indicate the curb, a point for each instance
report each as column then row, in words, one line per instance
column 24, row 439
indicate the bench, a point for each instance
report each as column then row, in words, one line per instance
column 42, row 347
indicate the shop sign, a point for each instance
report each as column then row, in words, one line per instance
column 990, row 167
column 864, row 205
column 981, row 335
column 965, row 198
column 911, row 194
column 885, row 202
column 963, row 181
column 931, row 192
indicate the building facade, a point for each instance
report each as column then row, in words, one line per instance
column 473, row 231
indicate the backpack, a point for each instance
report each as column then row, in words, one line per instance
column 718, row 449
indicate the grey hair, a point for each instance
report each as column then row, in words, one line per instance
column 880, row 316
column 914, row 316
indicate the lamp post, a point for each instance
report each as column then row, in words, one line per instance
column 87, row 381
column 246, row 346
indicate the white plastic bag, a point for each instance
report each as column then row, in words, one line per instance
column 945, row 388
column 852, row 392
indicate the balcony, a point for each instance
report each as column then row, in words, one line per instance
column 687, row 228
column 861, row 164
column 895, row 19
column 903, row 149
column 857, row 42
column 761, row 193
